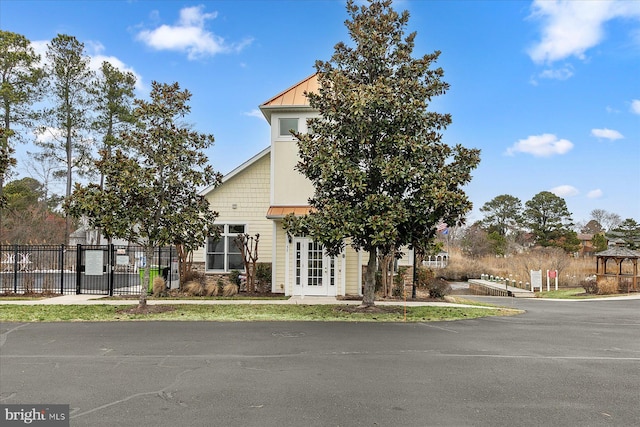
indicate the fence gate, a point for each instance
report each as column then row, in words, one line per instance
column 99, row 270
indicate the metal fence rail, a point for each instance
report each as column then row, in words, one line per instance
column 82, row 269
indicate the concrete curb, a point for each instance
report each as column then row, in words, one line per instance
column 84, row 299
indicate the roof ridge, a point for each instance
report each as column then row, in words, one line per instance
column 291, row 88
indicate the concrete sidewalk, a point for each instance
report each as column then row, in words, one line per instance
column 85, row 299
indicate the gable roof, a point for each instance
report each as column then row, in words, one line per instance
column 292, row 97
column 237, row 170
column 619, row 252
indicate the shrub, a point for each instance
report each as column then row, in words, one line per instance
column 590, row 285
column 424, row 277
column 220, row 285
column 263, row 277
column 234, row 277
column 194, row 288
column 398, row 282
column 229, row 290
column 438, row 289
column 210, row 290
column 159, row 286
column 195, row 276
column 608, row 286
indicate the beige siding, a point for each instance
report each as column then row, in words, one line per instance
column 244, row 199
column 280, row 263
column 290, row 187
column 353, row 267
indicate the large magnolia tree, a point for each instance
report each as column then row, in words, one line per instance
column 382, row 175
column 150, row 193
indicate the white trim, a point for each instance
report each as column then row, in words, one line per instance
column 274, row 259
column 287, row 265
column 287, row 136
column 343, row 272
column 272, row 176
column 360, row 273
column 226, row 254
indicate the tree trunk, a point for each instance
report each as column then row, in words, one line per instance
column 370, row 280
column 148, row 254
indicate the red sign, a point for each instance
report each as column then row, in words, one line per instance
column 553, row 274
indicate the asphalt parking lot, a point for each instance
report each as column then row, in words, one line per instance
column 559, row 364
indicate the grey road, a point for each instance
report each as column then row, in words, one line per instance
column 559, row 364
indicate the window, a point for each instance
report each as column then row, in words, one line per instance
column 287, row 125
column 223, row 254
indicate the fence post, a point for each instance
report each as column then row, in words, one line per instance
column 15, row 269
column 78, row 268
column 110, row 262
column 61, row 265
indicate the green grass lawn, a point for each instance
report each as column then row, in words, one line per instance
column 233, row 313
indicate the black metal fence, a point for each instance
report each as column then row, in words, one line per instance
column 82, row 269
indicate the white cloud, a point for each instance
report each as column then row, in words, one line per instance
column 595, row 194
column 605, row 133
column 255, row 113
column 96, row 63
column 544, row 145
column 189, row 35
column 565, row 191
column 635, row 106
column 93, row 50
column 40, row 47
column 570, row 28
column 48, row 135
column 563, row 73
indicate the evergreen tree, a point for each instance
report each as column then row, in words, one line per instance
column 383, row 177
column 21, row 85
column 150, row 195
column 65, row 134
column 502, row 214
column 548, row 219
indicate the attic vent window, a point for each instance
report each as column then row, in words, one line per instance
column 287, row 125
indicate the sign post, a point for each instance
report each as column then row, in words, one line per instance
column 552, row 274
column 536, row 280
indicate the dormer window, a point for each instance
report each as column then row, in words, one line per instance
column 288, row 125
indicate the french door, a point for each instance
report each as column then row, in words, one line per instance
column 315, row 271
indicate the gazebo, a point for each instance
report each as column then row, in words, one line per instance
column 619, row 254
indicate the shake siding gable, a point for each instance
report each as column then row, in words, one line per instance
column 244, row 199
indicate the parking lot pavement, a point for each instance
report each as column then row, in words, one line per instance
column 560, row 363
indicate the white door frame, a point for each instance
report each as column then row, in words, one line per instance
column 314, row 272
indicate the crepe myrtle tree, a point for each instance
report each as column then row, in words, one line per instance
column 150, row 194
column 383, row 177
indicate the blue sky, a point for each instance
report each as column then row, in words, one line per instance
column 548, row 90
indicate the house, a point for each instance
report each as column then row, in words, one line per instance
column 586, row 244
column 258, row 194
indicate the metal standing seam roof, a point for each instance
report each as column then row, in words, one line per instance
column 279, row 212
column 295, row 95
